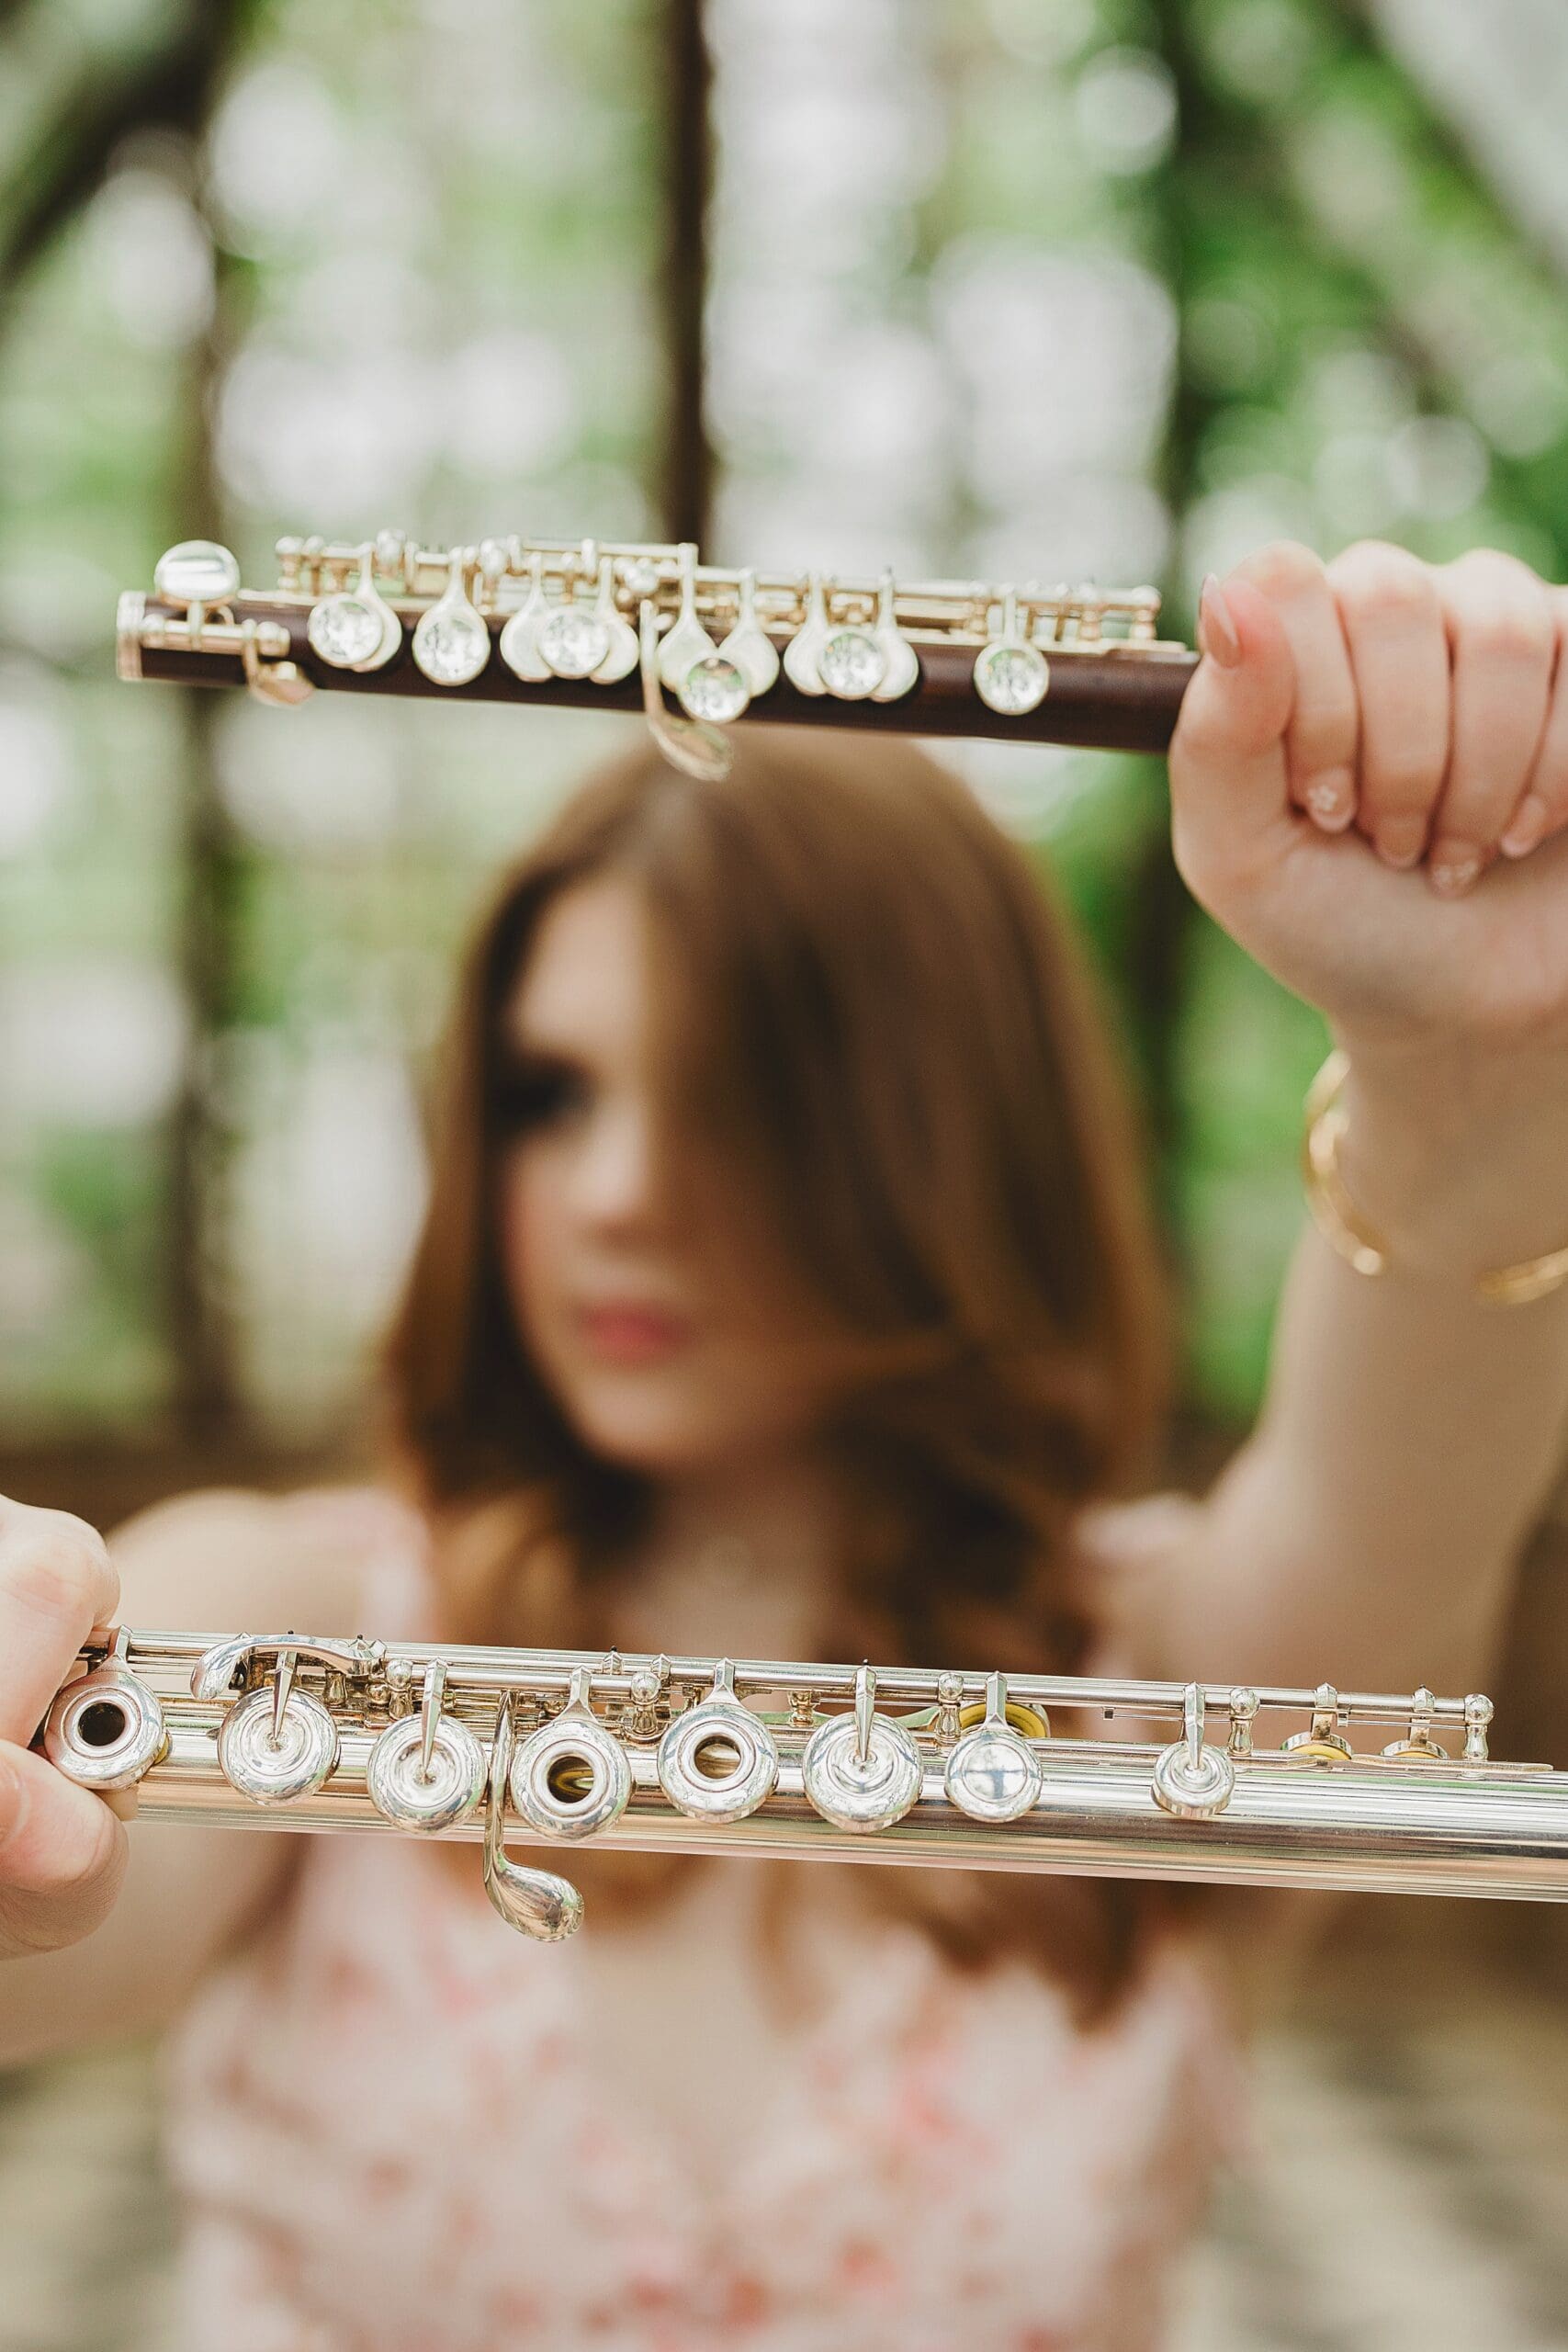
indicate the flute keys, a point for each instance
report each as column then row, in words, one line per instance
column 688, row 641
column 106, row 1730
column 1011, row 675
column 749, row 646
column 693, row 745
column 862, row 1771
column 714, row 689
column 451, row 644
column 900, row 663
column 571, row 1777
column 356, row 629
column 427, row 1771
column 572, row 642
column 804, row 651
column 1325, row 1743
column 273, row 1755
column 197, row 575
column 851, row 664
column 718, row 1762
column 1031, row 1722
column 536, row 1903
column 1012, row 680
column 413, row 1796
column 1416, row 1751
column 1191, row 1778
column 576, row 638
column 520, row 639
column 865, row 1791
column 620, row 656
column 993, row 1774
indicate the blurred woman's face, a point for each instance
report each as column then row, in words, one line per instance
column 613, row 1302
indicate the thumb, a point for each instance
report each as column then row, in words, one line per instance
column 1229, row 785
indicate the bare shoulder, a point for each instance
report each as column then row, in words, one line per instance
column 227, row 1559
column 1141, row 1533
column 1124, row 1550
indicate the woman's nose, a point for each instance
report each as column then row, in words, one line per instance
column 615, row 1178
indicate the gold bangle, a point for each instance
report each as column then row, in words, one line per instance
column 1335, row 1217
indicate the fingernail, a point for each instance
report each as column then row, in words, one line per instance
column 1399, row 840
column 1454, row 867
column 1331, row 799
column 1530, row 824
column 1218, row 635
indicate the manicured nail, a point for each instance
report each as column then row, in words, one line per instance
column 1218, row 634
column 1454, row 867
column 1399, row 840
column 1331, row 799
column 1530, row 824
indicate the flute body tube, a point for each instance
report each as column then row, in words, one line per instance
column 587, row 624
column 778, row 1758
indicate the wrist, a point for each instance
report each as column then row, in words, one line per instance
column 1457, row 1158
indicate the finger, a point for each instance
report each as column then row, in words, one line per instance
column 1399, row 654
column 62, row 1856
column 1322, row 737
column 1503, row 633
column 1229, row 800
column 1542, row 807
column 57, row 1583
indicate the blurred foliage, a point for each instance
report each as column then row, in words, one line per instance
column 1108, row 284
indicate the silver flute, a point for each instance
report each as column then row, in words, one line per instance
column 782, row 1759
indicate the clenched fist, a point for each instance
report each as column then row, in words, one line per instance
column 63, row 1850
column 1370, row 789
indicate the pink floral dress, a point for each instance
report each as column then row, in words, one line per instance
column 389, row 2132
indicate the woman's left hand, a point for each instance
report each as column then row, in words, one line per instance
column 1424, row 707
column 1410, row 1431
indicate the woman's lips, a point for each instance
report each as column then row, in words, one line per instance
column 621, row 1332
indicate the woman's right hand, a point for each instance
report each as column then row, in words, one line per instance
column 63, row 1850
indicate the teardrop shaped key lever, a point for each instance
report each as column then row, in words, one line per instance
column 536, row 1903
column 690, row 744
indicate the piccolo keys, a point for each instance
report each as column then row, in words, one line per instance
column 620, row 626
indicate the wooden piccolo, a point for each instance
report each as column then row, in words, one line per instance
column 627, row 626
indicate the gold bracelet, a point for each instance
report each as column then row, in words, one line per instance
column 1334, row 1215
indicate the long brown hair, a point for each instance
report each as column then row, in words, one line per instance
column 879, row 1006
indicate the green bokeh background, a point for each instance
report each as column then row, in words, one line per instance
column 207, row 210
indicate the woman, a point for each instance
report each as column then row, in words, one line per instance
column 785, row 1290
